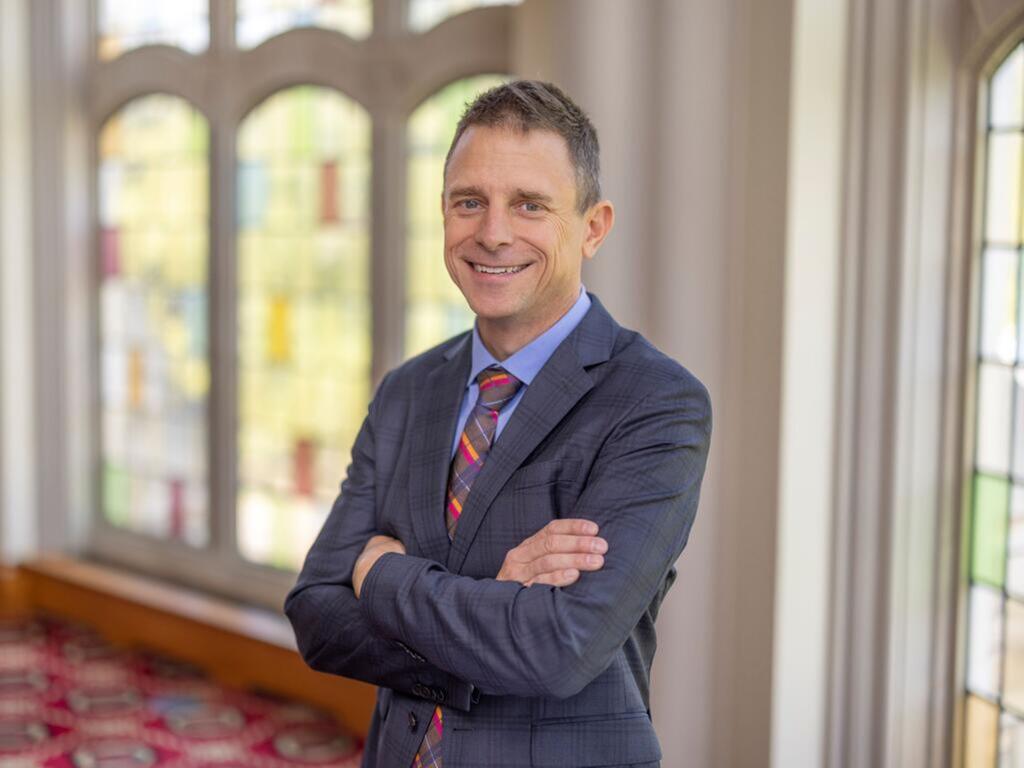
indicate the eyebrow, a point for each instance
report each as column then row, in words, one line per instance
column 519, row 194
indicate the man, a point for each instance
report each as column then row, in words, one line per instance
column 517, row 495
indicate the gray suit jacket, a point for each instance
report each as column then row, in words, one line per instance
column 610, row 430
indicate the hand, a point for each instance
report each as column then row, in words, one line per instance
column 375, row 547
column 556, row 554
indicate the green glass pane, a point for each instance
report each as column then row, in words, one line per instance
column 1003, row 189
column 988, row 529
column 435, row 309
column 424, row 14
column 303, row 314
column 154, row 374
column 127, row 24
column 1006, row 96
column 982, row 726
column 259, row 20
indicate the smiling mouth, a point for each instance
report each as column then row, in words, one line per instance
column 498, row 270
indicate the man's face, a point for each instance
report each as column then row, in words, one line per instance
column 514, row 241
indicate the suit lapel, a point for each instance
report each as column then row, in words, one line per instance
column 556, row 389
column 433, row 420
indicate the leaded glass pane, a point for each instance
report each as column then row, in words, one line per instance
column 127, row 24
column 981, row 733
column 303, row 313
column 995, row 402
column 999, row 286
column 1013, row 671
column 259, row 20
column 985, row 641
column 988, row 547
column 154, row 372
column 435, row 309
column 1002, row 199
column 1007, row 98
column 1011, row 742
column 424, row 14
column 1015, row 554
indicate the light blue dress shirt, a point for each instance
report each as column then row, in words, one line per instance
column 525, row 364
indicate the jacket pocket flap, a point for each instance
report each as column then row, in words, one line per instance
column 544, row 473
column 617, row 740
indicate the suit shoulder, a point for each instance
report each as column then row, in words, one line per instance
column 651, row 370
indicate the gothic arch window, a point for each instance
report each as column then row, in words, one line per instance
column 994, row 703
column 258, row 263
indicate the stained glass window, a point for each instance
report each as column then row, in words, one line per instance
column 259, row 20
column 993, row 730
column 153, row 254
column 424, row 14
column 303, row 313
column 435, row 310
column 128, row 24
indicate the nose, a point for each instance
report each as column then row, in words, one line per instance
column 495, row 229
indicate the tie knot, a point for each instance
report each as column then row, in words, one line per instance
column 497, row 388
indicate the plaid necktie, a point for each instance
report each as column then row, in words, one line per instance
column 497, row 388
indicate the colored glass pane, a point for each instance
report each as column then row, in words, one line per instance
column 1013, row 666
column 985, row 640
column 988, row 537
column 1006, row 101
column 995, row 408
column 981, row 732
column 1003, row 193
column 1015, row 544
column 1011, row 742
column 154, row 372
column 303, row 313
column 435, row 309
column 999, row 285
column 127, row 24
column 424, row 14
column 259, row 20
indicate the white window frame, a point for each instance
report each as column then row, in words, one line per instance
column 389, row 74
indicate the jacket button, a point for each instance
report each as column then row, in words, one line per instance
column 421, row 690
column 413, row 722
column 439, row 695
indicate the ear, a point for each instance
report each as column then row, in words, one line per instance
column 598, row 222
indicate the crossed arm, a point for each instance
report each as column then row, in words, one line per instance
column 537, row 629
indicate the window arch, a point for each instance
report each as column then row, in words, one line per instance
column 153, row 283
column 303, row 313
column 435, row 310
column 994, row 709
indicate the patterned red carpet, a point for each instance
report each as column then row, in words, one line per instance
column 70, row 700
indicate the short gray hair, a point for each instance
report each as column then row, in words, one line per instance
column 527, row 105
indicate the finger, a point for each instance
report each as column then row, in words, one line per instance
column 553, row 544
column 551, row 563
column 556, row 579
column 575, row 526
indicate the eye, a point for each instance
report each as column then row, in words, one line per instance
column 531, row 207
column 469, row 204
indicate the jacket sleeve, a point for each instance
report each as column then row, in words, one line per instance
column 332, row 632
column 507, row 639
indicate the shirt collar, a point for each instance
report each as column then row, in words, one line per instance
column 526, row 363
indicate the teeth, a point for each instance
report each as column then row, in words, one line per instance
column 496, row 270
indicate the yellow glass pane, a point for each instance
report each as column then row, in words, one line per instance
column 259, row 20
column 1013, row 663
column 303, row 314
column 982, row 726
column 1003, row 192
column 153, row 261
column 435, row 309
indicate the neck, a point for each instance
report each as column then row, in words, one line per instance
column 503, row 337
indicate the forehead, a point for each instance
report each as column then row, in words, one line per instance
column 500, row 156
